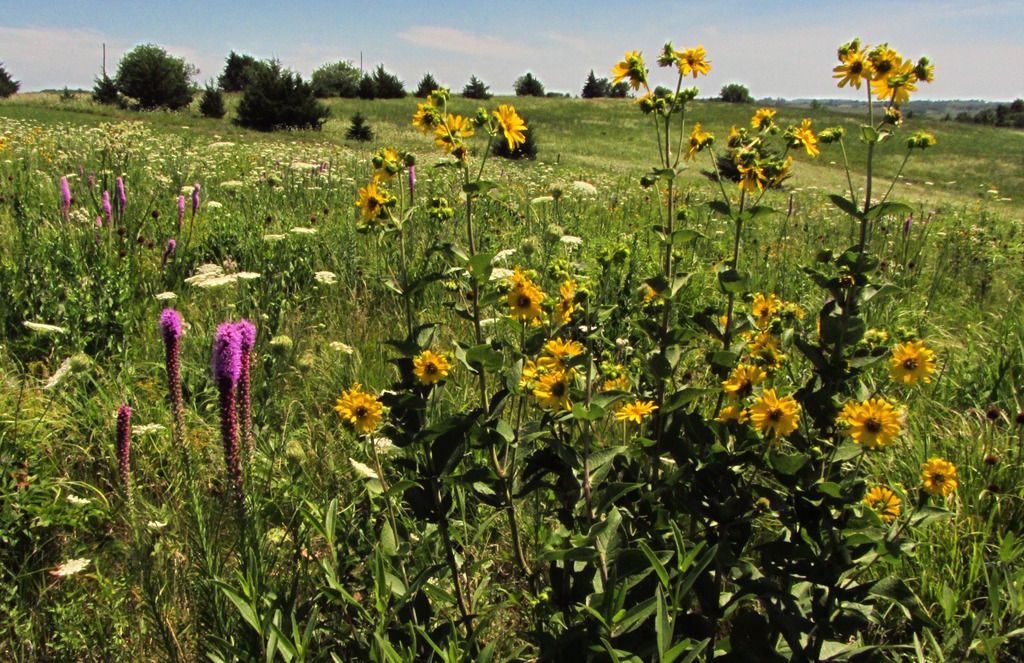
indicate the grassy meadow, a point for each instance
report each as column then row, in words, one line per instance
column 581, row 417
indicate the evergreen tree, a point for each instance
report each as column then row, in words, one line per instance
column 595, row 87
column 238, row 72
column 528, row 86
column 388, row 86
column 337, row 79
column 212, row 103
column 278, row 99
column 359, row 129
column 8, row 85
column 367, row 87
column 427, row 85
column 476, row 89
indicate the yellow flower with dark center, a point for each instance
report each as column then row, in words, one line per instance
column 763, row 118
column 912, row 361
column 897, row 85
column 426, row 117
column 742, row 381
column 732, row 413
column 855, row 68
column 883, row 61
column 632, row 67
column 766, row 349
column 531, row 371
column 373, row 201
column 619, row 382
column 558, row 352
column 430, row 367
column 698, row 141
column 693, row 61
column 874, row 423
column 775, row 417
column 360, row 410
column 764, row 308
column 804, row 136
column 735, row 137
column 752, row 178
column 884, row 502
column 566, row 303
column 925, row 70
column 386, row 163
column 938, row 476
column 552, row 391
column 450, row 134
column 635, row 411
column 511, row 124
column 783, row 171
column 524, row 302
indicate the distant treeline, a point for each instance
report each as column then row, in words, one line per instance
column 1002, row 115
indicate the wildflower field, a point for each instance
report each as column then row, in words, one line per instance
column 702, row 382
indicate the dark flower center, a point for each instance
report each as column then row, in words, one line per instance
column 872, row 425
column 361, row 412
column 524, row 301
column 430, row 369
column 775, row 414
column 910, row 363
column 558, row 389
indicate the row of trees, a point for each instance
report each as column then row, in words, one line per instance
column 1003, row 115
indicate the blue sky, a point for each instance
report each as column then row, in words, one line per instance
column 776, row 48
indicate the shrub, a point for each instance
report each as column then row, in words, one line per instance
column 388, row 85
column 426, row 85
column 337, row 79
column 476, row 89
column 154, row 78
column 212, row 103
column 238, row 72
column 67, row 95
column 528, row 86
column 734, row 93
column 8, row 85
column 367, row 87
column 525, row 150
column 595, row 87
column 278, row 98
column 619, row 90
column 359, row 129
column 105, row 91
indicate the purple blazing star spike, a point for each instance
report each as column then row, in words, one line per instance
column 181, row 212
column 65, row 196
column 170, row 325
column 246, row 335
column 227, row 355
column 107, row 209
column 172, row 244
column 91, row 180
column 122, row 198
column 195, row 198
column 906, row 224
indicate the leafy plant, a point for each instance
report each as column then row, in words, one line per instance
column 359, row 129
column 8, row 86
column 212, row 103
column 152, row 78
column 338, row 79
column 528, row 86
column 476, row 89
column 278, row 99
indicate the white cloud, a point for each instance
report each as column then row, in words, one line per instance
column 466, row 43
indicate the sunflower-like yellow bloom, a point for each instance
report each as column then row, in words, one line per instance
column 430, row 367
column 884, row 502
column 511, row 125
column 854, row 69
column 693, row 61
column 635, row 411
column 763, row 118
column 618, row 381
column 374, row 201
column 804, row 136
column 699, row 139
column 360, row 410
column 912, row 361
column 558, row 352
column 874, row 423
column 450, row 133
column 387, row 162
column 632, row 67
column 775, row 417
column 742, row 381
column 883, row 61
column 752, row 178
column 764, row 308
column 427, row 117
column 552, row 391
column 938, row 477
column 732, row 413
column 897, row 85
column 566, row 303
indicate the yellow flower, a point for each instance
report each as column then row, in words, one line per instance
column 694, row 60
column 558, row 352
column 531, row 371
column 938, row 477
column 631, row 67
column 764, row 308
column 763, row 118
column 552, row 391
column 732, row 413
column 635, row 411
column 511, row 124
column 426, row 117
column 912, row 361
column 897, row 85
column 775, row 417
column 884, row 502
column 449, row 134
column 566, row 306
column 874, row 423
column 735, row 137
column 752, row 178
column 766, row 349
column 430, row 367
column 618, row 382
column 386, row 163
column 373, row 202
column 742, row 381
column 524, row 302
column 854, row 68
column 883, row 61
column 803, row 135
column 360, row 410
column 925, row 70
column 698, row 141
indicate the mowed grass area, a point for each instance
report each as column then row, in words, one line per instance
column 970, row 163
column 506, row 512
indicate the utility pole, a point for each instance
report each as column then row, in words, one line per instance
column 104, row 59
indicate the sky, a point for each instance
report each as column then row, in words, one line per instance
column 777, row 48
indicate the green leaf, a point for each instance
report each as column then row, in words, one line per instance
column 663, row 629
column 684, row 235
column 477, row 188
column 759, row 212
column 484, row 356
column 480, row 266
column 888, row 209
column 927, row 515
column 732, row 281
column 787, row 464
column 247, row 612
column 656, row 564
column 898, row 592
column 869, row 134
column 581, row 412
column 720, row 207
column 846, row 205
